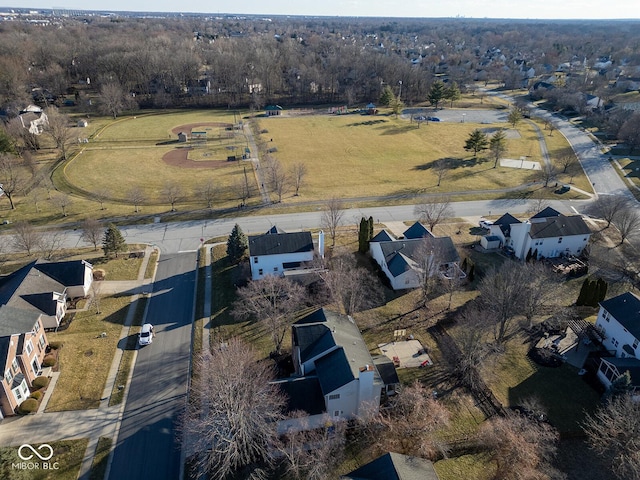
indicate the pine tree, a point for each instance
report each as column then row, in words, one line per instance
column 476, row 142
column 362, row 235
column 582, row 296
column 472, row 272
column 620, row 386
column 592, row 294
column 436, row 93
column 370, row 235
column 602, row 289
column 387, row 96
column 113, row 242
column 452, row 93
column 237, row 244
column 464, row 265
column 529, row 255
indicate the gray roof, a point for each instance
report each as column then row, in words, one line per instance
column 625, row 309
column 505, row 222
column 417, row 230
column 70, row 273
column 401, row 254
column 16, row 320
column 394, row 466
column 5, row 342
column 382, row 236
column 343, row 363
column 279, row 243
column 386, row 369
column 303, row 394
column 560, row 226
column 31, row 289
column 547, row 212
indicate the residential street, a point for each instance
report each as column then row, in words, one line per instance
column 147, row 444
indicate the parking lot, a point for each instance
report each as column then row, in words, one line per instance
column 459, row 115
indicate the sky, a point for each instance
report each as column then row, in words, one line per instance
column 532, row 9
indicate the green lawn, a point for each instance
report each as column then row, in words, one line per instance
column 67, row 456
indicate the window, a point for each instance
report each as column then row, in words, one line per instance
column 36, row 328
column 560, row 240
column 255, row 259
column 336, row 413
column 260, row 272
column 29, row 347
column 35, row 366
column 275, row 269
column 334, row 397
column 8, row 376
column 635, row 343
column 605, row 316
column 14, row 365
column 614, row 342
column 21, row 391
column 41, row 342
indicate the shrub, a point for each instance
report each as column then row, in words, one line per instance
column 40, row 382
column 49, row 361
column 36, row 395
column 55, row 345
column 30, row 405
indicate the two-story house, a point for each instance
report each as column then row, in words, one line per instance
column 547, row 234
column 22, row 348
column 277, row 252
column 619, row 321
column 335, row 374
column 404, row 261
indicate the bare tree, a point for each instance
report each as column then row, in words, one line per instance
column 242, row 190
column 92, row 232
column 538, row 202
column 272, row 301
column 434, row 209
column 608, row 207
column 350, row 287
column 207, row 191
column 522, row 448
column 537, row 291
column 12, row 176
column 102, row 194
column 567, row 159
column 613, row 432
column 59, row 129
column 429, row 259
column 627, row 221
column 500, row 294
column 113, row 99
column 51, row 242
column 298, row 173
column 276, row 176
column 63, row 201
column 441, row 169
column 546, row 174
column 26, row 237
column 470, row 338
column 332, row 216
column 232, row 418
column 312, row 454
column 136, row 196
column 95, row 296
column 172, row 192
column 498, row 146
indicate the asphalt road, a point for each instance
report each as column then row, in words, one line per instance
column 147, row 446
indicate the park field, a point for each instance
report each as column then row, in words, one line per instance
column 368, row 156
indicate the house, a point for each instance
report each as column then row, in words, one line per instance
column 22, row 348
column 82, row 123
column 335, row 374
column 619, row 321
column 547, row 234
column 273, row 110
column 394, row 466
column 43, row 288
column 33, row 119
column 401, row 259
column 277, row 252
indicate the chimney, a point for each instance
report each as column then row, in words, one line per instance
column 321, row 243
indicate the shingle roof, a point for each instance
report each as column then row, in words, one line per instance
column 382, row 236
column 560, row 226
column 394, row 466
column 16, row 320
column 333, row 371
column 386, row 369
column 303, row 394
column 279, row 243
column 546, row 212
column 417, row 230
column 312, row 340
column 505, row 222
column 625, row 309
column 411, row 249
column 30, row 289
column 69, row 273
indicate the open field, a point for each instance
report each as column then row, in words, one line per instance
column 68, row 454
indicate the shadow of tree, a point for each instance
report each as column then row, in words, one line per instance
column 366, row 123
column 453, row 163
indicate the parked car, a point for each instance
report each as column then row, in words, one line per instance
column 433, row 119
column 145, row 337
column 485, row 223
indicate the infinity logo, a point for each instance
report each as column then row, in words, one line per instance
column 44, row 457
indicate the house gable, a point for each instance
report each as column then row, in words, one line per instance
column 625, row 309
column 394, row 466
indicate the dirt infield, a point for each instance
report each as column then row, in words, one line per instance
column 180, row 156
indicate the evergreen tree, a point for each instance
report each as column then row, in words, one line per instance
column 370, row 235
column 620, row 386
column 529, row 255
column 472, row 272
column 602, row 289
column 387, row 96
column 113, row 242
column 498, row 145
column 582, row 296
column 363, row 233
column 436, row 93
column 452, row 93
column 464, row 265
column 237, row 244
column 476, row 142
column 534, row 257
column 592, row 294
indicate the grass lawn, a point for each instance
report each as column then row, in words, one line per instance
column 631, row 169
column 85, row 358
column 562, row 392
column 99, row 465
column 478, row 467
column 68, row 454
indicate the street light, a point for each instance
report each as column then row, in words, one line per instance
column 400, row 93
column 463, row 117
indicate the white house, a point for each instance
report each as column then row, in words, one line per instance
column 400, row 259
column 34, row 119
column 277, row 252
column 619, row 320
column 547, row 234
column 335, row 375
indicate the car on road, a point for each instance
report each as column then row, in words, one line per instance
column 485, row 223
column 420, row 118
column 145, row 337
column 433, row 119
